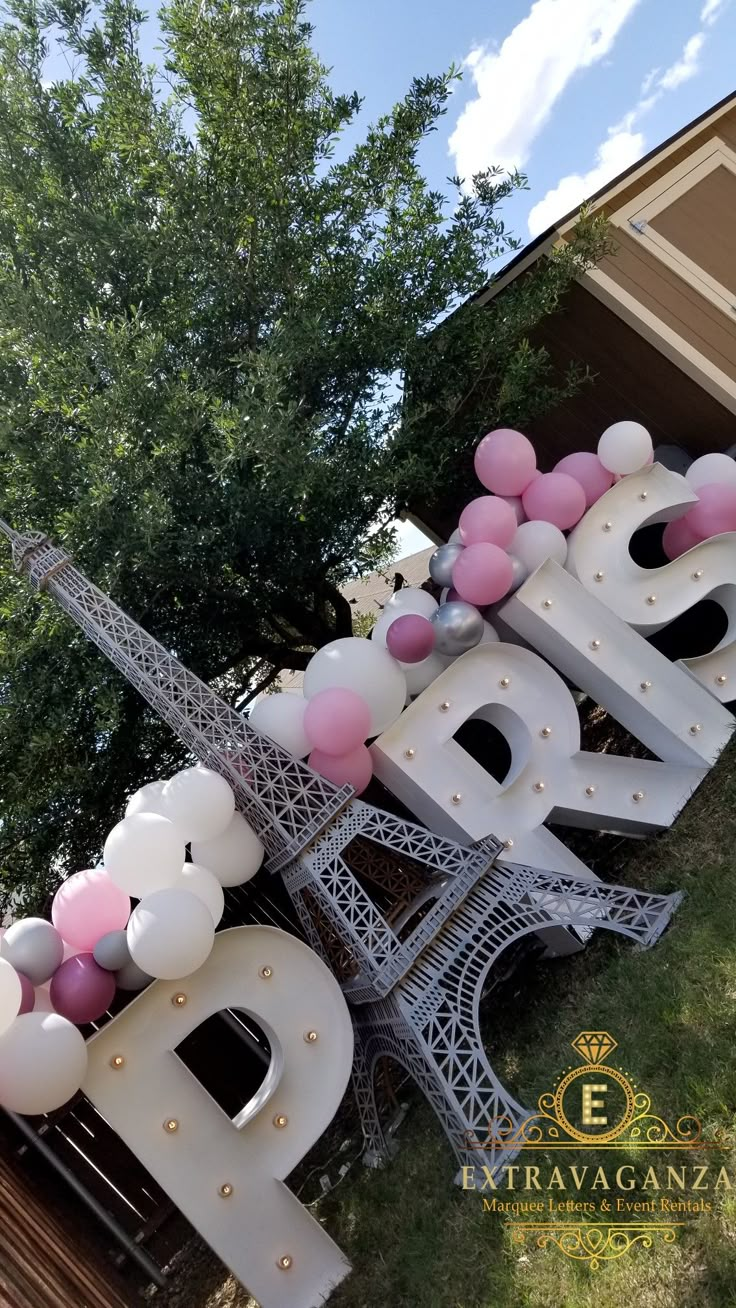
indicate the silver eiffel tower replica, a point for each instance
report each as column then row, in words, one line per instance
column 410, row 922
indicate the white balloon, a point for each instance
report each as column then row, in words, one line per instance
column 379, row 629
column 363, row 666
column 711, row 469
column 147, row 799
column 624, row 447
column 199, row 802
column 143, row 853
column 421, row 675
column 42, row 999
column 455, row 538
column 521, row 572
column 233, row 857
column 281, row 718
column 201, row 882
column 11, row 995
column 490, row 635
column 43, row 1062
column 537, row 541
column 170, row 934
column 410, row 599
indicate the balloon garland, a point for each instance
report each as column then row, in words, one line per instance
column 57, row 976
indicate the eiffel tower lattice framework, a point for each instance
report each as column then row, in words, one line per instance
column 409, row 921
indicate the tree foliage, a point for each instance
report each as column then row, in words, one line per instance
column 208, row 304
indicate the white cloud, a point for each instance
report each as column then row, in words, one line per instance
column 617, row 152
column 623, row 145
column 711, row 11
column 686, row 66
column 518, row 84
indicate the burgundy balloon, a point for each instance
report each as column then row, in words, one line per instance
column 410, row 638
column 81, row 990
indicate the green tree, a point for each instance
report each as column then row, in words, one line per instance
column 208, row 304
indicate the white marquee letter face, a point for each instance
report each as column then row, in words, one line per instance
column 227, row 1179
column 650, row 598
column 550, row 778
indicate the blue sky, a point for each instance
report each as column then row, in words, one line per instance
column 569, row 91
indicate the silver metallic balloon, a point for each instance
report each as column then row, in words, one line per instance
column 111, row 951
column 132, row 977
column 520, row 574
column 442, row 562
column 34, row 947
column 457, row 627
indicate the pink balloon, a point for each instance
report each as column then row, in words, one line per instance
column 514, row 502
column 88, row 905
column 336, row 721
column 715, row 511
column 28, row 994
column 81, row 990
column 354, row 769
column 587, row 469
column 488, row 518
column 410, row 638
column 678, row 537
column 555, row 497
column 505, row 462
column 482, row 574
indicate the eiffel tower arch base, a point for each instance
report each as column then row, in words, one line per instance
column 430, row 1022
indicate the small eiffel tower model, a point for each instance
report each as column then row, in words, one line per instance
column 409, row 921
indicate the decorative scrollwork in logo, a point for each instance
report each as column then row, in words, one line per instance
column 550, row 1128
column 595, row 1243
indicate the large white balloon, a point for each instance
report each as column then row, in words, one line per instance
column 410, row 599
column 199, row 802
column 281, row 718
column 143, row 853
column 363, row 666
column 201, row 882
column 43, row 1062
column 147, row 799
column 420, row 675
column 624, row 448
column 34, row 947
column 537, row 541
column 712, row 469
column 11, row 995
column 233, row 857
column 170, row 934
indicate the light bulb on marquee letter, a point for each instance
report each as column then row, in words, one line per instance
column 551, row 778
column 648, row 599
column 207, row 1157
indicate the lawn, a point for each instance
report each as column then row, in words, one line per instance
column 414, row 1239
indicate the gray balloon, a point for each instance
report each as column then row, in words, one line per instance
column 457, row 627
column 111, row 951
column 442, row 562
column 132, row 977
column 34, row 947
column 521, row 572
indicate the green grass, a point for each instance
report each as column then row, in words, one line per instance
column 414, row 1239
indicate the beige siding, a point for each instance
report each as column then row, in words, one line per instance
column 701, row 224
column 725, row 128
column 679, row 305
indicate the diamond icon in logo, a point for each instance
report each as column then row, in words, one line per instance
column 594, row 1046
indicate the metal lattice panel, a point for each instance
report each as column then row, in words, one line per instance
column 286, row 802
column 429, row 1023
